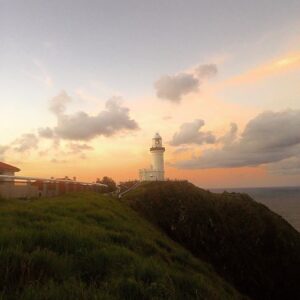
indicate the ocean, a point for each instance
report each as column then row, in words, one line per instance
column 285, row 201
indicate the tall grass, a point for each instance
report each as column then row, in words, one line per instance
column 90, row 246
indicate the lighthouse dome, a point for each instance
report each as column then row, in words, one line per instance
column 156, row 141
column 157, row 136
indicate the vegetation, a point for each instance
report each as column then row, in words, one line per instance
column 125, row 185
column 111, row 184
column 91, row 246
column 250, row 246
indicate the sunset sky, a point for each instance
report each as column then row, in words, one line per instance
column 86, row 84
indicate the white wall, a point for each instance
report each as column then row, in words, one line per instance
column 9, row 191
column 158, row 160
column 8, row 174
column 151, row 175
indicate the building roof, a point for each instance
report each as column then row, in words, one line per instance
column 6, row 167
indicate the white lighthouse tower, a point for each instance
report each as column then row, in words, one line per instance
column 157, row 152
column 157, row 170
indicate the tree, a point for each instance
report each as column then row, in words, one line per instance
column 111, row 184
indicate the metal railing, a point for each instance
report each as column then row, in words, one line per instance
column 31, row 187
column 66, row 180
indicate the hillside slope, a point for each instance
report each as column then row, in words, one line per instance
column 88, row 246
column 252, row 247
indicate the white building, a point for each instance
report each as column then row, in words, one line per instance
column 156, row 172
column 8, row 170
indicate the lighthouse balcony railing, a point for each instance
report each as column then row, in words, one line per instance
column 157, row 148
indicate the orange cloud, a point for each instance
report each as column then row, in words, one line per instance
column 282, row 64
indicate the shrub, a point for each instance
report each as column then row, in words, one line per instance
column 247, row 244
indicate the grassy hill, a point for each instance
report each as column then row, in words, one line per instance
column 91, row 246
column 252, row 247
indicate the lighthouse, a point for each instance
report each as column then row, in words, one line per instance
column 157, row 152
column 156, row 172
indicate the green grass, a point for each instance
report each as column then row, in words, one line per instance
column 91, row 246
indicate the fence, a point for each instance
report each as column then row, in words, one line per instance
column 32, row 187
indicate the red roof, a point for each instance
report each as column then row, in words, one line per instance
column 6, row 167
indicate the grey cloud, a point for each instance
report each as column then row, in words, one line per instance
column 81, row 126
column 25, row 142
column 46, row 132
column 273, row 130
column 290, row 166
column 174, row 87
column 270, row 137
column 189, row 133
column 79, row 148
column 59, row 102
column 206, row 71
column 181, row 150
column 230, row 136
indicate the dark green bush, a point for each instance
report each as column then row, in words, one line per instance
column 252, row 247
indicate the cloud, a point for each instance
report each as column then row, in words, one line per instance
column 229, row 137
column 79, row 148
column 174, row 87
column 270, row 137
column 25, row 142
column 181, row 150
column 62, row 155
column 206, row 71
column 46, row 132
column 82, row 126
column 74, row 127
column 281, row 64
column 58, row 161
column 3, row 149
column 289, row 166
column 59, row 102
column 189, row 133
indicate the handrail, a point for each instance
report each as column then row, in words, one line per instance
column 129, row 189
column 49, row 180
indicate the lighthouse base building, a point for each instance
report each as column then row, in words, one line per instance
column 151, row 175
column 156, row 172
